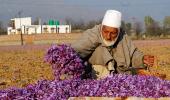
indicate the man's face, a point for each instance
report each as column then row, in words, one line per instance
column 109, row 33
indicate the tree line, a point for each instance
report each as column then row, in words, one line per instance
column 3, row 30
column 149, row 27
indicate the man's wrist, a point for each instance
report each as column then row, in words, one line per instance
column 112, row 71
column 110, row 66
column 144, row 65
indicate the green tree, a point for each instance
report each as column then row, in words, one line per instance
column 128, row 27
column 36, row 21
column 92, row 23
column 166, row 25
column 152, row 27
column 149, row 21
column 138, row 28
column 2, row 29
column 123, row 25
column 69, row 21
column 75, row 25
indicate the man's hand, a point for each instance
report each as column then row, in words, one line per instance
column 112, row 72
column 148, row 60
column 110, row 67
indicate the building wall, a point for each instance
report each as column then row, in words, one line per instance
column 49, row 29
column 64, row 28
column 24, row 21
column 26, row 28
column 32, row 29
column 39, row 29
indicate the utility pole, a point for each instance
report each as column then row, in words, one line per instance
column 39, row 23
column 19, row 13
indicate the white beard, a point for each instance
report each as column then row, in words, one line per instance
column 110, row 43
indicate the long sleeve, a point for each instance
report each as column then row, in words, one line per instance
column 137, row 59
column 87, row 43
column 135, row 54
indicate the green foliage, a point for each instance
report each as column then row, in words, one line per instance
column 135, row 28
column 2, row 29
column 138, row 27
column 127, row 27
column 166, row 25
column 37, row 21
column 152, row 27
column 81, row 25
column 148, row 21
column 166, row 22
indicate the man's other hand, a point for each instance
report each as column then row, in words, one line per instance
column 148, row 60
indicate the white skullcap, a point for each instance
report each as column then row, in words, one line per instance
column 112, row 18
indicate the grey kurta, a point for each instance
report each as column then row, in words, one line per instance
column 126, row 56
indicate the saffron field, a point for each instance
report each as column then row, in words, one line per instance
column 23, row 65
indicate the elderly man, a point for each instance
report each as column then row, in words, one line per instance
column 109, row 48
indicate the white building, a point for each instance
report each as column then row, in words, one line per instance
column 64, row 28
column 24, row 25
column 17, row 23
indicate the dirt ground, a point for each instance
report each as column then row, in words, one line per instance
column 23, row 65
column 161, row 50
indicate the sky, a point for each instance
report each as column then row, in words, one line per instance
column 83, row 9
